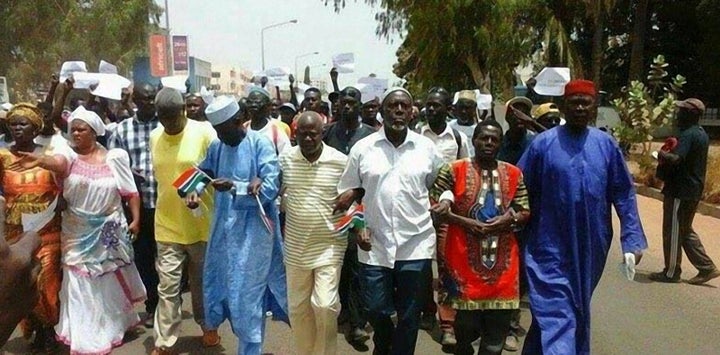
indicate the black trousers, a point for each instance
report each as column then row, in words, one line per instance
column 352, row 308
column 145, row 254
column 678, row 233
column 492, row 326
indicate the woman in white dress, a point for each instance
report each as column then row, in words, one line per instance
column 101, row 284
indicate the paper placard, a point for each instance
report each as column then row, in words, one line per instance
column 107, row 68
column 109, row 86
column 176, row 82
column 344, row 62
column 68, row 68
column 552, row 81
column 372, row 88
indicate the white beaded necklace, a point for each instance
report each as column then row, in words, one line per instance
column 495, row 188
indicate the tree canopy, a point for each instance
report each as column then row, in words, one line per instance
column 465, row 43
column 39, row 35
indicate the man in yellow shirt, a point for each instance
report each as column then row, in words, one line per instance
column 181, row 234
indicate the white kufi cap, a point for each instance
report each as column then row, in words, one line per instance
column 221, row 109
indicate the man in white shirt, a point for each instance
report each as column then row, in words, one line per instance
column 466, row 114
column 258, row 106
column 394, row 167
column 451, row 143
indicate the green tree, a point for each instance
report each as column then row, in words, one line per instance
column 446, row 42
column 39, row 35
column 643, row 108
column 459, row 44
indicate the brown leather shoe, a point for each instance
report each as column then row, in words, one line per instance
column 210, row 338
column 704, row 276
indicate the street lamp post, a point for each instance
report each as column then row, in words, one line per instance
column 262, row 38
column 300, row 56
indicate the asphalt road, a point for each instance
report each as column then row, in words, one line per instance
column 639, row 317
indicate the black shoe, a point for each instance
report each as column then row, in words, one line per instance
column 427, row 321
column 704, row 276
column 357, row 337
column 149, row 322
column 662, row 277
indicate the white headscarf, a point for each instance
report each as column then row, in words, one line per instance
column 89, row 117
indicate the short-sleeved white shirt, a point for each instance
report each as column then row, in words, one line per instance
column 396, row 182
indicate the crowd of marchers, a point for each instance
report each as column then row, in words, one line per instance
column 241, row 202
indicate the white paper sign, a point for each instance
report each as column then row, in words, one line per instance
column 484, row 101
column 108, row 85
column 34, row 222
column 552, row 81
column 344, row 62
column 277, row 77
column 176, row 82
column 107, row 68
column 372, row 88
column 68, row 68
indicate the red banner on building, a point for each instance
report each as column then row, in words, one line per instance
column 180, row 53
column 158, row 56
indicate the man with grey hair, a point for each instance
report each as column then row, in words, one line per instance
column 397, row 251
column 181, row 235
column 314, row 249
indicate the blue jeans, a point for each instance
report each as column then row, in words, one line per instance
column 400, row 289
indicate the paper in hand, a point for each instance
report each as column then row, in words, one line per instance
column 627, row 268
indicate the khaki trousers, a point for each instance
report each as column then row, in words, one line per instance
column 314, row 304
column 170, row 261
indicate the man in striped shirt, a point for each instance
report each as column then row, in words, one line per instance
column 313, row 248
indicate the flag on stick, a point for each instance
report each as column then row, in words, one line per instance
column 354, row 218
column 266, row 220
column 189, row 181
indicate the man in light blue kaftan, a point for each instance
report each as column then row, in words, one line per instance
column 573, row 174
column 244, row 271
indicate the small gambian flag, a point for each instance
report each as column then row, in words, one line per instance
column 189, row 181
column 354, row 218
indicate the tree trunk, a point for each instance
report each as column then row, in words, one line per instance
column 637, row 40
column 598, row 41
column 480, row 77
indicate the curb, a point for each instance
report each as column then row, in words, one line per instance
column 703, row 207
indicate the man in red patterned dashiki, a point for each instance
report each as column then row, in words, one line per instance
column 485, row 203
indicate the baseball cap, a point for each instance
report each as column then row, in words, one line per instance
column 692, row 104
column 544, row 109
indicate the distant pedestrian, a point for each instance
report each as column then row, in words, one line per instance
column 683, row 168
